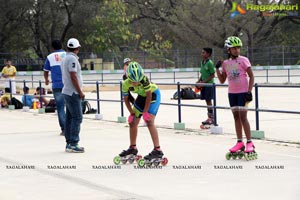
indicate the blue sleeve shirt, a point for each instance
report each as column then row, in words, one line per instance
column 53, row 64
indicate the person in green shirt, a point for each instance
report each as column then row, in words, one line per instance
column 207, row 71
column 145, row 105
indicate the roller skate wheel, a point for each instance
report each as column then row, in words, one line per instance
column 141, row 162
column 117, row 160
column 254, row 156
column 148, row 164
column 228, row 156
column 131, row 160
column 164, row 162
column 247, row 156
column 241, row 155
column 204, row 126
column 156, row 163
column 234, row 156
column 250, row 157
column 124, row 161
column 138, row 157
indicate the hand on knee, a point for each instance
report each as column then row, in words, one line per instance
column 131, row 118
column 147, row 117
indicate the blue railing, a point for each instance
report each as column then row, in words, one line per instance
column 179, row 104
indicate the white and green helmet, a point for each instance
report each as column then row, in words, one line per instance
column 135, row 72
column 233, row 41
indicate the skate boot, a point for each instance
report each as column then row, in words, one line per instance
column 250, row 153
column 155, row 158
column 129, row 155
column 237, row 151
column 207, row 123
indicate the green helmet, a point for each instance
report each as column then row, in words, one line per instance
column 135, row 72
column 233, row 41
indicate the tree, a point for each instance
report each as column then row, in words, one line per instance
column 195, row 23
column 110, row 27
column 48, row 20
column 11, row 25
column 149, row 25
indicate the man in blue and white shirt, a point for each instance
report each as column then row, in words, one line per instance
column 73, row 95
column 53, row 65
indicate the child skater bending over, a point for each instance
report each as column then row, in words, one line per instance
column 145, row 105
column 237, row 69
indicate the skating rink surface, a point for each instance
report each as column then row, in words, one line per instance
column 34, row 166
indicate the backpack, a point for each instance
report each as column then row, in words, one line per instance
column 86, row 108
column 18, row 104
column 51, row 106
column 188, row 93
column 175, row 95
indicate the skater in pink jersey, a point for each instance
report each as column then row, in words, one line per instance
column 236, row 69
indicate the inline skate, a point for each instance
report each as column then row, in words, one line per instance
column 250, row 153
column 130, row 155
column 207, row 124
column 154, row 158
column 236, row 152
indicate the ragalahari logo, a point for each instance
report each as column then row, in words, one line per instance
column 236, row 9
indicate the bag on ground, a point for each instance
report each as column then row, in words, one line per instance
column 17, row 103
column 51, row 106
column 86, row 108
column 186, row 93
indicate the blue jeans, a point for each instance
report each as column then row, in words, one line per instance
column 60, row 106
column 73, row 118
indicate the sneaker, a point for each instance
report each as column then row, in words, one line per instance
column 74, row 149
column 67, row 147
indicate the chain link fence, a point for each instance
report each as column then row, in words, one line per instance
column 264, row 56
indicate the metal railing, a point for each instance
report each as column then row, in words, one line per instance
column 179, row 104
column 263, row 75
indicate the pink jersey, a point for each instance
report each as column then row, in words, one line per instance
column 236, row 71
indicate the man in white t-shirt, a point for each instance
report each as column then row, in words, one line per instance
column 73, row 95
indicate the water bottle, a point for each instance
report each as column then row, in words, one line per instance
column 34, row 104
